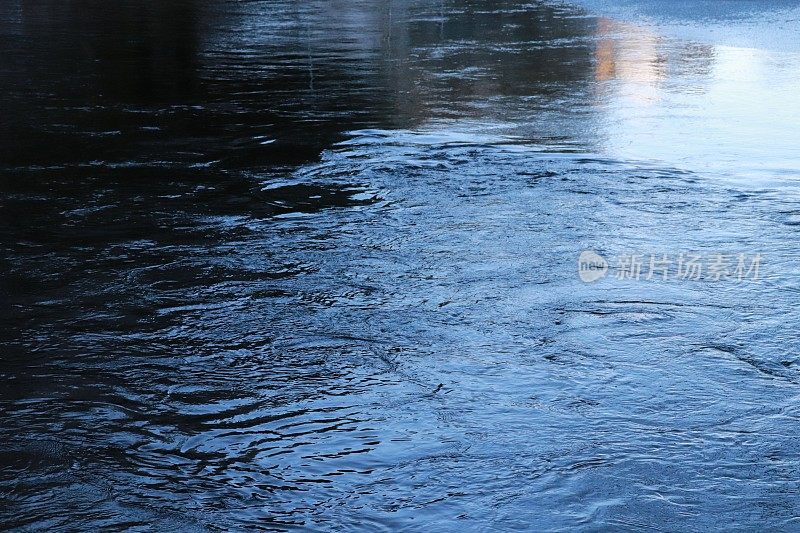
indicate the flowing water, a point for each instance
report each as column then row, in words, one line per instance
column 313, row 265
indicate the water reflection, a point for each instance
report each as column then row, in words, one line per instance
column 284, row 264
column 735, row 105
column 633, row 56
column 200, row 83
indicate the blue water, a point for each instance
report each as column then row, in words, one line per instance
column 314, row 266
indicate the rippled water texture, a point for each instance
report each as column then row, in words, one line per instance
column 312, row 265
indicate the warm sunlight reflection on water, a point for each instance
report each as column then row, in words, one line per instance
column 698, row 106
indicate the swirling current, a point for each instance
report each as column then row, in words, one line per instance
column 278, row 265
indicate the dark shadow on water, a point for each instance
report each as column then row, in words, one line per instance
column 254, row 84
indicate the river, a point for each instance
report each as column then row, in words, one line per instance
column 288, row 265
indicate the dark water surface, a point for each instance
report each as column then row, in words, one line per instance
column 312, row 265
